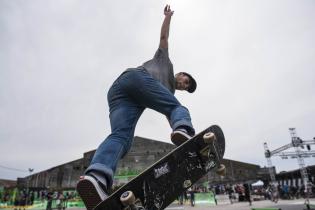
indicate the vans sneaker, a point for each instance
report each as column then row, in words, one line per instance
column 179, row 136
column 91, row 191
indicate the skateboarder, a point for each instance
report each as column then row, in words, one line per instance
column 151, row 85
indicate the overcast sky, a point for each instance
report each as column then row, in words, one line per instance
column 253, row 61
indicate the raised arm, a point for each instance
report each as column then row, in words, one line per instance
column 166, row 27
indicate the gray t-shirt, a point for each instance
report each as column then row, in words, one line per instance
column 160, row 68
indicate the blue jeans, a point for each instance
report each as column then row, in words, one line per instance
column 130, row 94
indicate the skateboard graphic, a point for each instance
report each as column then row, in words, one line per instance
column 160, row 184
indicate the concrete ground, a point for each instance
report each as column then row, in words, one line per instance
column 282, row 204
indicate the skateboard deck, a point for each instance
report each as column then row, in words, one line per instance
column 160, row 184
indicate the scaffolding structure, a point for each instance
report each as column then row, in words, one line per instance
column 298, row 144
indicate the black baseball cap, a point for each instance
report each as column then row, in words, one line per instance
column 192, row 83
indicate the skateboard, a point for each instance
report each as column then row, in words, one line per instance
column 160, row 184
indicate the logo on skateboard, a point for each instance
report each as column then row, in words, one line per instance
column 163, row 169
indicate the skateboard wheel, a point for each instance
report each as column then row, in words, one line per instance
column 208, row 137
column 187, row 183
column 221, row 170
column 127, row 198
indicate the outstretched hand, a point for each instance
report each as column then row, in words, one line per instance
column 165, row 27
column 168, row 11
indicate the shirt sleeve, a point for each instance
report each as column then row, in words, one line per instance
column 161, row 53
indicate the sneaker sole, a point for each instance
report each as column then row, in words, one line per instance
column 178, row 138
column 88, row 193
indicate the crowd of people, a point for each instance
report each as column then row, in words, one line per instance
column 246, row 193
column 59, row 199
column 283, row 192
column 20, row 199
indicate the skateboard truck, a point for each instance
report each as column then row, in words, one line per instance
column 210, row 139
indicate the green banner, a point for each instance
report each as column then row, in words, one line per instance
column 207, row 198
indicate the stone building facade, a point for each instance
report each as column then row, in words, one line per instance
column 143, row 153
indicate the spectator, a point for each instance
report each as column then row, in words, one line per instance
column 247, row 193
column 49, row 200
column 191, row 191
